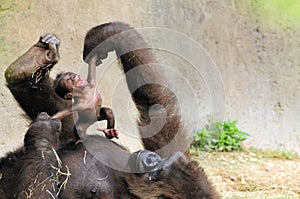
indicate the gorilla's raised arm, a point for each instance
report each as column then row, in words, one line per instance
column 35, row 63
column 28, row 80
column 153, row 99
column 179, row 177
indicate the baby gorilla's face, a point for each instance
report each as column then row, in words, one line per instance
column 67, row 83
column 72, row 81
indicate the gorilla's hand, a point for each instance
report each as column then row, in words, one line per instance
column 49, row 38
column 145, row 161
column 50, row 42
column 35, row 63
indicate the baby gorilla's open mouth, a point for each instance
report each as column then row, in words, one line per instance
column 79, row 82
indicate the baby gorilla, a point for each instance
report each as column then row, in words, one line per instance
column 87, row 101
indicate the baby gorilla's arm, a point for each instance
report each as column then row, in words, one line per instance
column 107, row 114
column 62, row 114
column 68, row 111
column 91, row 78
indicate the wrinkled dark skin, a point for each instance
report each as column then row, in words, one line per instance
column 33, row 162
column 175, row 176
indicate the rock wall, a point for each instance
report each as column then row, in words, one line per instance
column 255, row 51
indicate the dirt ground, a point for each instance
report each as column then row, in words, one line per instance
column 251, row 175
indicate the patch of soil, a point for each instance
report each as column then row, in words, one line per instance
column 250, row 175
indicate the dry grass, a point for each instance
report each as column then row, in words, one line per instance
column 251, row 175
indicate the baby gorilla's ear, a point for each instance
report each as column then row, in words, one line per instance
column 68, row 96
column 60, row 90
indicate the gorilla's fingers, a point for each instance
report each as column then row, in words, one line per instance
column 46, row 37
column 144, row 161
column 55, row 40
column 53, row 53
column 50, row 38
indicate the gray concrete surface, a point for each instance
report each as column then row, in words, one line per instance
column 258, row 62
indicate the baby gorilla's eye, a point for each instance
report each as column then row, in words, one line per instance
column 70, row 77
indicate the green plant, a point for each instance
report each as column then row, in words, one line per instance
column 222, row 136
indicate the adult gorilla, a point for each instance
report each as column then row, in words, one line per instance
column 175, row 177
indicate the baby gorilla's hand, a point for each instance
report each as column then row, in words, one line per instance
column 109, row 133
